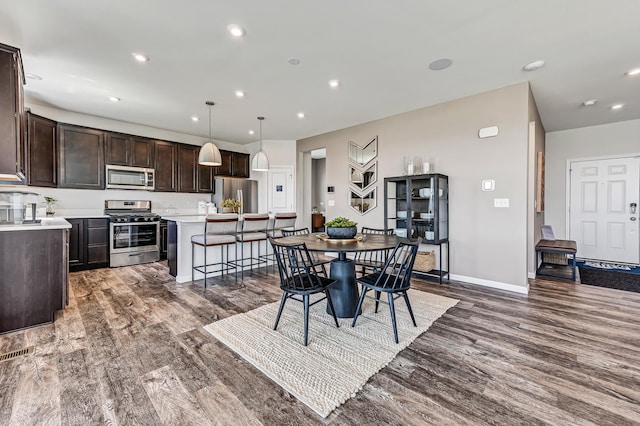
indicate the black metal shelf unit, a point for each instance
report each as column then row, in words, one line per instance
column 418, row 206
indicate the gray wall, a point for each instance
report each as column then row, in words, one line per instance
column 319, row 184
column 488, row 245
column 587, row 142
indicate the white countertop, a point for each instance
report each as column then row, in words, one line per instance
column 186, row 218
column 45, row 223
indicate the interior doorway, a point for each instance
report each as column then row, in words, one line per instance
column 603, row 208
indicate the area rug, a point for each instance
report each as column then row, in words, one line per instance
column 338, row 361
column 611, row 275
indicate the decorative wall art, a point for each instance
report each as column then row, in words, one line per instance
column 363, row 174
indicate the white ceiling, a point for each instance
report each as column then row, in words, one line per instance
column 380, row 50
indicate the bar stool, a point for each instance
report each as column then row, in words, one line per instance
column 253, row 230
column 219, row 230
column 280, row 222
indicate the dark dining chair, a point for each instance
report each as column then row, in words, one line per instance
column 394, row 278
column 371, row 261
column 299, row 279
column 318, row 259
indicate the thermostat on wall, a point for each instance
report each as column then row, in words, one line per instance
column 331, row 189
column 488, row 132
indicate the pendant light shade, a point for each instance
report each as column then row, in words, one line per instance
column 209, row 153
column 260, row 161
column 356, row 176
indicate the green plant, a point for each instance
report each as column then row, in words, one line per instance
column 230, row 202
column 49, row 200
column 340, row 222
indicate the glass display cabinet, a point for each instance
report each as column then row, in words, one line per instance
column 418, row 206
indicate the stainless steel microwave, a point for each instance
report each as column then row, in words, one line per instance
column 125, row 177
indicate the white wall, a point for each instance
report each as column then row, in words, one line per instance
column 583, row 143
column 488, row 245
column 280, row 153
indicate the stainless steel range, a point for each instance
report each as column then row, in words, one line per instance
column 134, row 232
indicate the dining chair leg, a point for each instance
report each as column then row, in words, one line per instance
column 377, row 301
column 357, row 313
column 333, row 311
column 282, row 302
column 393, row 316
column 306, row 319
column 406, row 299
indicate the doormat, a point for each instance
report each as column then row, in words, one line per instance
column 612, row 275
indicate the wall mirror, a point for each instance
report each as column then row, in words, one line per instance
column 362, row 203
column 363, row 155
column 363, row 179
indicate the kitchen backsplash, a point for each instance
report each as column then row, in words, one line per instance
column 83, row 202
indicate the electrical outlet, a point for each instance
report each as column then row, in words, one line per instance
column 501, row 202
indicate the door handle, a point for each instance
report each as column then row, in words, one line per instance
column 633, row 218
column 632, row 208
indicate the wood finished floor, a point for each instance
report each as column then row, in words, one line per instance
column 130, row 350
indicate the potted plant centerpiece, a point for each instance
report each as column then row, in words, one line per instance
column 230, row 205
column 341, row 228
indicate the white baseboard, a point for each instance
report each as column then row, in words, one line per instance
column 531, row 275
column 493, row 284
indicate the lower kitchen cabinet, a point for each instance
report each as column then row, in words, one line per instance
column 163, row 239
column 88, row 243
column 34, row 280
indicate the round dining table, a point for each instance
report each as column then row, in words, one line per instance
column 344, row 293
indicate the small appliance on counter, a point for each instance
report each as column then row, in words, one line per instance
column 18, row 207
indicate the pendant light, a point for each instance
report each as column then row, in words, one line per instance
column 209, row 153
column 260, row 161
column 357, row 176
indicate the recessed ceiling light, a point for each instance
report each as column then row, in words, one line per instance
column 195, row 119
column 334, row 83
column 294, row 61
column 589, row 102
column 235, row 30
column 33, row 76
column 251, row 132
column 301, row 115
column 616, row 106
column 440, row 64
column 114, row 99
column 532, row 66
column 634, row 71
column 239, row 93
column 140, row 57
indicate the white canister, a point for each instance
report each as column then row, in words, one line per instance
column 202, row 207
column 426, row 167
column 211, row 208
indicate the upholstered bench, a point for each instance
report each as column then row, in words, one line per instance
column 565, row 247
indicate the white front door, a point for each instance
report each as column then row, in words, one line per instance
column 281, row 189
column 603, row 219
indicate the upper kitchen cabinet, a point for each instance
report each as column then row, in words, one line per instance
column 234, row 164
column 187, row 168
column 128, row 150
column 43, row 151
column 81, row 152
column 166, row 166
column 12, row 117
column 205, row 179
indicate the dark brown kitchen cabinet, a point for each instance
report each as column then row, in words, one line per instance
column 205, row 179
column 187, row 168
column 88, row 243
column 12, row 117
column 34, row 282
column 163, row 239
column 43, row 151
column 128, row 150
column 225, row 168
column 81, row 153
column 234, row 164
column 166, row 154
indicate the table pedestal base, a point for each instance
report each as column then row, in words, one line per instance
column 344, row 293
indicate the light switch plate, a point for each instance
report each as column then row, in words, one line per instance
column 488, row 185
column 331, row 202
column 501, row 202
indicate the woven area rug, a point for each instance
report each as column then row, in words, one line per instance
column 338, row 361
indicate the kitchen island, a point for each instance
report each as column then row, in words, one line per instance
column 34, row 279
column 180, row 229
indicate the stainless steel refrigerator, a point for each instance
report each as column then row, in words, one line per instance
column 244, row 190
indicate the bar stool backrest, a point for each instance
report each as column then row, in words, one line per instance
column 255, row 222
column 284, row 221
column 223, row 223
